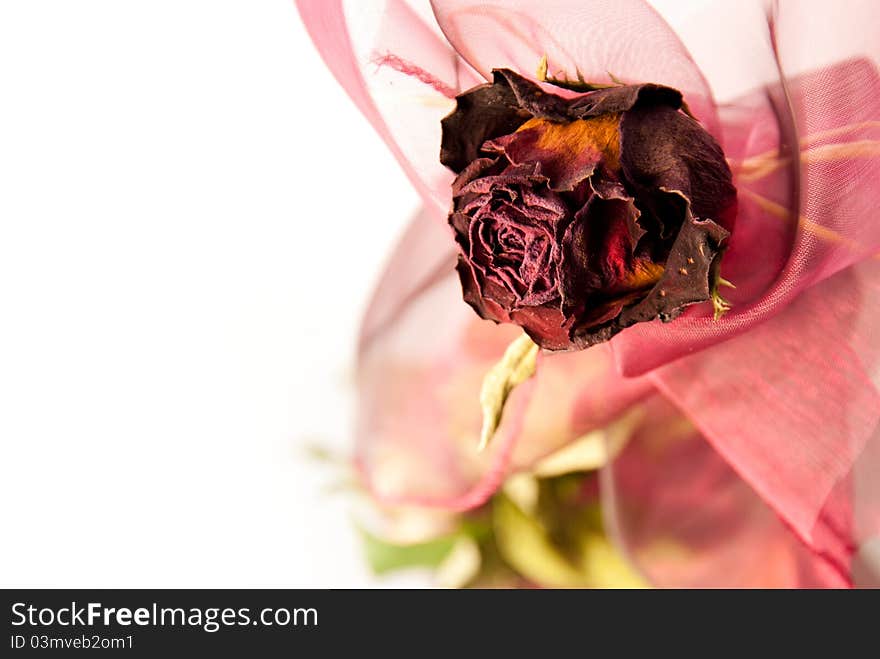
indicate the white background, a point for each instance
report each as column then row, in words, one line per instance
column 192, row 215
column 189, row 230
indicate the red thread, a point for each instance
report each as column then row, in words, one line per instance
column 408, row 68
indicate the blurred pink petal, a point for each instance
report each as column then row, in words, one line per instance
column 861, row 491
column 399, row 72
column 687, row 520
column 626, row 39
column 423, row 356
column 792, row 403
column 573, row 394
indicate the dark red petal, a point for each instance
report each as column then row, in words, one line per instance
column 471, row 292
column 665, row 150
column 531, row 96
column 460, row 224
column 598, row 253
column 489, row 111
column 480, row 114
column 546, row 105
column 686, row 280
column 545, row 325
column 528, row 174
column 568, row 152
column 474, row 171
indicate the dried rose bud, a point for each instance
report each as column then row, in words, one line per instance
column 578, row 217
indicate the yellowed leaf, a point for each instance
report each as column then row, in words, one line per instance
column 515, row 367
column 527, row 547
column 524, row 545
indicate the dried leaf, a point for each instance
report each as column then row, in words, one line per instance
column 516, row 366
column 525, row 544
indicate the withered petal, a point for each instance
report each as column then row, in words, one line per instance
column 598, row 252
column 531, row 96
column 623, row 98
column 499, row 108
column 686, row 280
column 460, row 223
column 528, row 174
column 485, row 307
column 663, row 150
column 568, row 152
column 480, row 114
column 546, row 325
column 474, row 171
column 546, row 105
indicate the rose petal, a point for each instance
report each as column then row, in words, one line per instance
column 598, row 253
column 685, row 280
column 568, row 153
column 663, row 150
column 545, row 325
column 687, row 520
column 480, row 114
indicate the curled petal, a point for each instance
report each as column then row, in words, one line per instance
column 686, row 519
column 544, row 324
column 598, row 248
column 664, row 150
column 685, row 280
column 568, row 153
column 480, row 113
column 483, row 302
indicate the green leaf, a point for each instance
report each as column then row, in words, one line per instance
column 383, row 556
column 516, row 366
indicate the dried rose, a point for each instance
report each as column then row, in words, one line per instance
column 577, row 217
